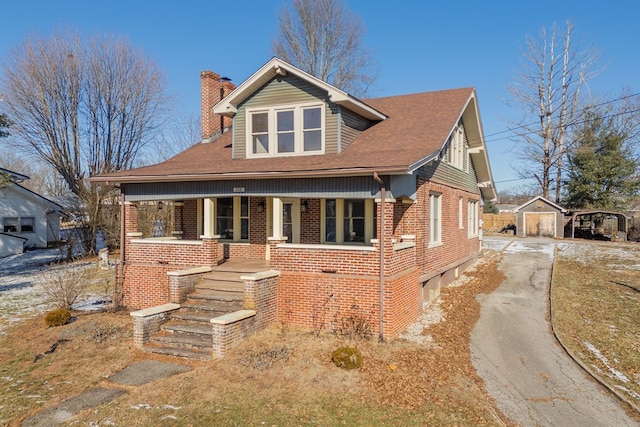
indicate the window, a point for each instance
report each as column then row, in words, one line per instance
column 27, row 224
column 232, row 218
column 330, row 221
column 353, row 220
column 455, row 151
column 10, row 225
column 348, row 221
column 18, row 225
column 473, row 218
column 294, row 130
column 460, row 217
column 435, row 222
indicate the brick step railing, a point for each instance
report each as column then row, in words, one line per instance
column 211, row 310
column 188, row 331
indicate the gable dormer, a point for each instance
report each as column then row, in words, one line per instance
column 282, row 111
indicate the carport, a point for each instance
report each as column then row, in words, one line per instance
column 585, row 224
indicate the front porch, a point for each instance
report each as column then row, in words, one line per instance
column 335, row 251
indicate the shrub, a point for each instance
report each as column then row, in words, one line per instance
column 57, row 317
column 64, row 285
column 356, row 324
column 347, row 358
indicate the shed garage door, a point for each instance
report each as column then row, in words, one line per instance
column 540, row 224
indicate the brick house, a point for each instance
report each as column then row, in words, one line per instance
column 348, row 204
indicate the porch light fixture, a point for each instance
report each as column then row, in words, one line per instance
column 261, row 207
column 160, row 204
column 304, row 206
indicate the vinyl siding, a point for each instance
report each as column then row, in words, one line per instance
column 443, row 172
column 350, row 187
column 282, row 91
column 352, row 126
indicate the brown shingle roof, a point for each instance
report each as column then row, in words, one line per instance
column 416, row 127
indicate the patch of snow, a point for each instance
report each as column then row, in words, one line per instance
column 21, row 278
column 531, row 246
column 629, row 392
column 171, row 407
column 617, row 374
column 494, row 244
column 141, row 406
column 169, row 417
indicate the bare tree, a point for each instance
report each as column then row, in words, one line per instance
column 555, row 69
column 85, row 107
column 324, row 39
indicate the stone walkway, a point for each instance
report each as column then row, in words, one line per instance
column 135, row 375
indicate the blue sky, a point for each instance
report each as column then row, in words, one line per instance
column 418, row 45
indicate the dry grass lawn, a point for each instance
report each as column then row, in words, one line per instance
column 596, row 302
column 279, row 377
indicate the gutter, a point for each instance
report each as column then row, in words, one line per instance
column 391, row 170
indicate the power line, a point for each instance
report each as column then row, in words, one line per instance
column 526, row 126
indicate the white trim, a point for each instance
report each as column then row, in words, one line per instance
column 327, row 247
column 272, row 129
column 435, row 221
column 276, row 66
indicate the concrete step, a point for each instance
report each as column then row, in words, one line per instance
column 226, row 276
column 194, row 328
column 215, row 295
column 183, row 340
column 180, row 352
column 196, row 316
column 221, row 285
column 203, row 306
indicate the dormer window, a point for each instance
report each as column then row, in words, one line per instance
column 285, row 131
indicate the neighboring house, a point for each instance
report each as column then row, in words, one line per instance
column 540, row 217
column 368, row 205
column 28, row 220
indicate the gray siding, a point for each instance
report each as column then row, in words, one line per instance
column 352, row 126
column 442, row 171
column 351, row 187
column 285, row 90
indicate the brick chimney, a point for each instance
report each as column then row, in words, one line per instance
column 213, row 89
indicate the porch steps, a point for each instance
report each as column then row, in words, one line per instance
column 189, row 333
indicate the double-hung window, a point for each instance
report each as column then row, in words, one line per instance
column 473, row 218
column 285, row 131
column 232, row 218
column 348, row 221
column 435, row 219
column 24, row 224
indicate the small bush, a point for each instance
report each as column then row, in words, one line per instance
column 63, row 285
column 57, row 317
column 347, row 358
column 357, row 324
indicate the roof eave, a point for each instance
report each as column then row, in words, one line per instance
column 387, row 170
column 276, row 66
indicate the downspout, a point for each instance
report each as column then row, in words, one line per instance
column 381, row 240
column 122, row 249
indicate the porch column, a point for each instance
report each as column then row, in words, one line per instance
column 276, row 217
column 209, row 214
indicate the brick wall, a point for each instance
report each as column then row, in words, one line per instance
column 190, row 220
column 213, row 89
column 456, row 244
